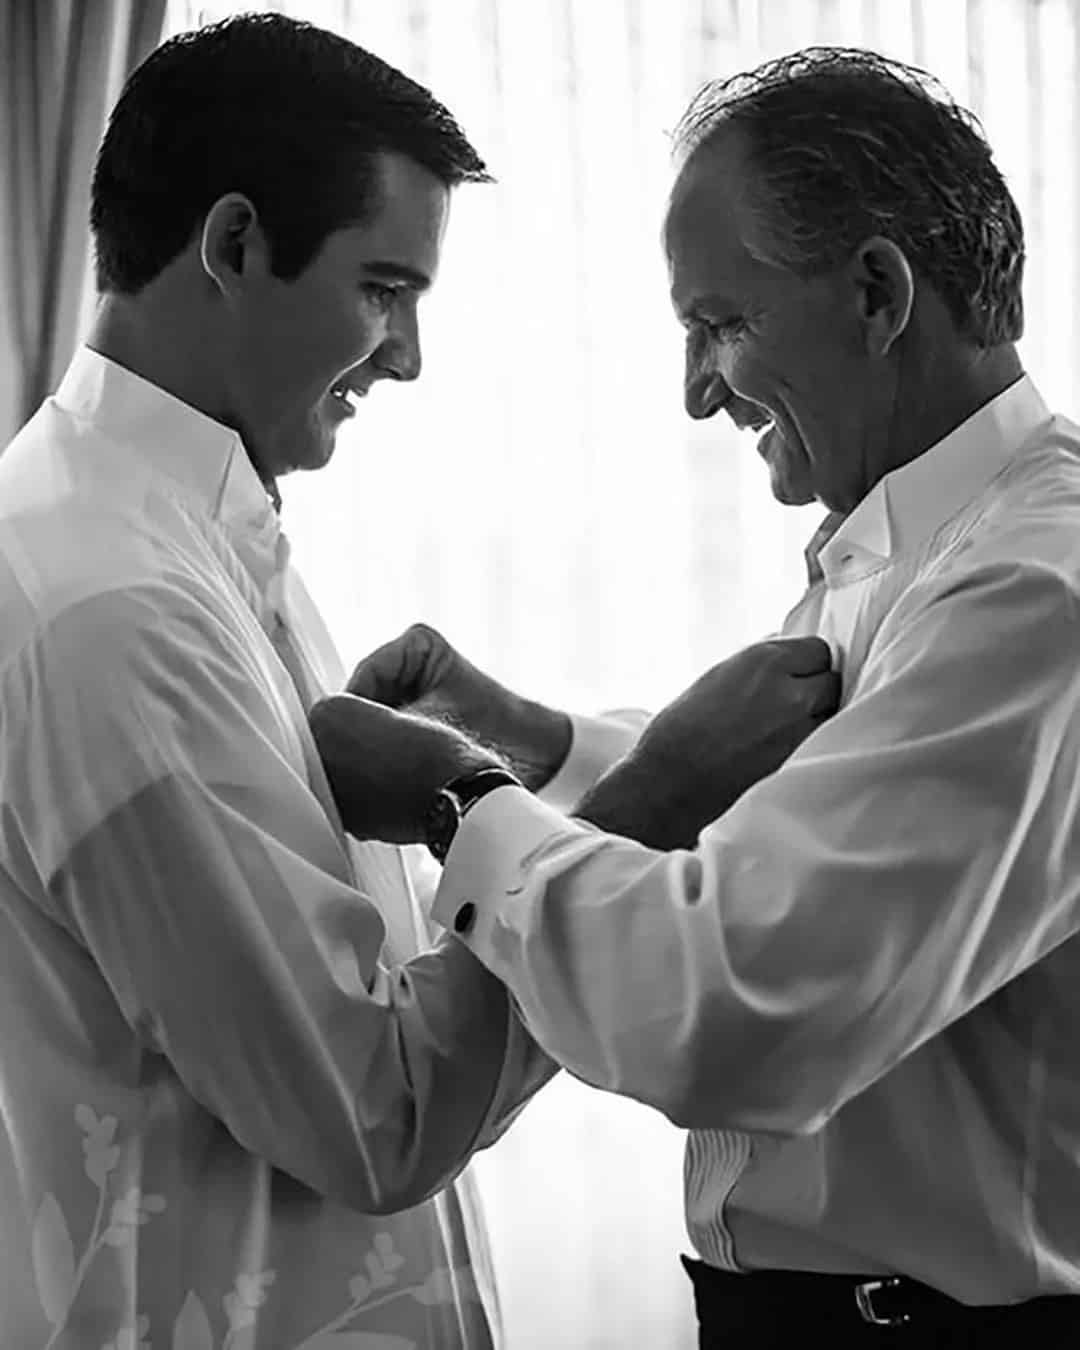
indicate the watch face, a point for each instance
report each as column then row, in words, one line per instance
column 442, row 823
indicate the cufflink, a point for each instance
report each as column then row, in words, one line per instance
column 463, row 919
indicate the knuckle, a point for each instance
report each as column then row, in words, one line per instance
column 424, row 632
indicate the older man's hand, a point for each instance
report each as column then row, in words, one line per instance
column 421, row 672
column 384, row 767
column 734, row 726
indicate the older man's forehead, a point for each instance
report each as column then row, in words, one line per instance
column 709, row 265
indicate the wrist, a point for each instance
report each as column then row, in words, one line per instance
column 542, row 743
column 458, row 760
column 455, row 800
column 632, row 801
column 449, row 755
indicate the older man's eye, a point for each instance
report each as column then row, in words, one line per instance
column 723, row 330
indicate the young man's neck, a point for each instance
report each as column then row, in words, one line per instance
column 163, row 345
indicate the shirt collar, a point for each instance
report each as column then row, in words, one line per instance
column 205, row 460
column 908, row 505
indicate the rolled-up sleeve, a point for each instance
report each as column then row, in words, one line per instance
column 918, row 852
column 167, row 823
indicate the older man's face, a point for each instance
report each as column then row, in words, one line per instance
column 775, row 352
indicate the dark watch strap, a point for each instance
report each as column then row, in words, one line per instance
column 453, row 802
column 470, row 787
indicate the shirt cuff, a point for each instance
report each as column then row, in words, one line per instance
column 485, row 862
column 596, row 743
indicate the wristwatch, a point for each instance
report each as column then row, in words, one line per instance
column 453, row 801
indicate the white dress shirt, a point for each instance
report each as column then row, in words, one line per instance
column 223, row 1065
column 861, row 991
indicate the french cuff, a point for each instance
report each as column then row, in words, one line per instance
column 483, row 868
column 595, row 744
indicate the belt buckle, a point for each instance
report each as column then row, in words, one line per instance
column 864, row 1297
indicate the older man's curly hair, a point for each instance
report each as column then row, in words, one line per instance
column 844, row 144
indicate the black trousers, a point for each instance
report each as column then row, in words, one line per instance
column 770, row 1310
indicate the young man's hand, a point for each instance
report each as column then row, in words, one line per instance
column 384, row 767
column 420, row 672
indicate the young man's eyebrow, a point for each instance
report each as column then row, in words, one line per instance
column 393, row 271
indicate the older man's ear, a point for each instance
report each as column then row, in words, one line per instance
column 884, row 292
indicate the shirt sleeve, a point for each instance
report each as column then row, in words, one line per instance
column 917, row 852
column 595, row 744
column 171, row 830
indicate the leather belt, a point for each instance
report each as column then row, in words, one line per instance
column 886, row 1303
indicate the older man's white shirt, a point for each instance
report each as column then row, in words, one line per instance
column 861, row 992
column 219, row 1067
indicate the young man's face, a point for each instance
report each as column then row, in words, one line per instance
column 778, row 353
column 301, row 349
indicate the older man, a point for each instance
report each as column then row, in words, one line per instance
column 860, row 989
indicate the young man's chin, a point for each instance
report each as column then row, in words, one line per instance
column 317, row 448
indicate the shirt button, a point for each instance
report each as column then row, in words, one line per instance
column 463, row 919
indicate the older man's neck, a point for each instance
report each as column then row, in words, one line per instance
column 939, row 386
column 964, row 381
column 952, row 382
column 976, row 377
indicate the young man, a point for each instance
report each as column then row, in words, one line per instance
column 238, row 1074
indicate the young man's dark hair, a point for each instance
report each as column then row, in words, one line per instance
column 844, row 144
column 281, row 111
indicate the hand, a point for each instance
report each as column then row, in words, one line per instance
column 734, row 726
column 385, row 767
column 421, row 672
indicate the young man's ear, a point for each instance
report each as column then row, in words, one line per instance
column 884, row 290
column 232, row 245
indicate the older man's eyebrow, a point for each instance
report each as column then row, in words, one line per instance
column 693, row 311
column 395, row 271
column 712, row 308
column 687, row 312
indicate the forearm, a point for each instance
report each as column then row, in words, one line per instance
column 571, row 941
column 541, row 743
column 854, row 905
column 641, row 799
column 262, row 987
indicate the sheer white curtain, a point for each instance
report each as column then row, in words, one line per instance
column 541, row 497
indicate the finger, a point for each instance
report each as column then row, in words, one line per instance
column 806, row 655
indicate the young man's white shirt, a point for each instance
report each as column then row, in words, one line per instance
column 221, row 1060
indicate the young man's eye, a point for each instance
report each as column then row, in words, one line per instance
column 382, row 297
